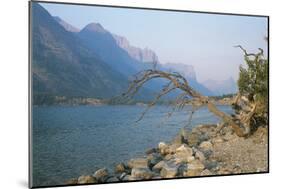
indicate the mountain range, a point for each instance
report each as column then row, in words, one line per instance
column 63, row 65
column 91, row 62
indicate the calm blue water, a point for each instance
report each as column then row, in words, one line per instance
column 75, row 140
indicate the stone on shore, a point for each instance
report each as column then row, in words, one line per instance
column 86, row 179
column 200, row 155
column 169, row 157
column 193, row 139
column 169, row 170
column 163, row 148
column 211, row 165
column 153, row 159
column 182, row 169
column 122, row 176
column 120, row 168
column 172, row 148
column 191, row 173
column 206, row 145
column 217, row 139
column 138, row 163
column 184, row 149
column 141, row 173
column 201, row 152
column 206, row 172
column 207, row 153
column 196, row 165
column 184, row 154
column 229, row 136
column 126, row 178
column 72, row 181
column 158, row 166
column 101, row 174
column 112, row 179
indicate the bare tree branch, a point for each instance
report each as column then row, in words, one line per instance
column 188, row 97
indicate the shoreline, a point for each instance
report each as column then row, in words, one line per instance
column 203, row 151
column 91, row 101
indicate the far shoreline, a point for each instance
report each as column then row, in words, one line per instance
column 90, row 101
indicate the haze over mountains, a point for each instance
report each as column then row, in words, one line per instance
column 227, row 86
column 91, row 62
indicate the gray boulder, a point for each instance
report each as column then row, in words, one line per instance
column 172, row 148
column 72, row 181
column 200, row 155
column 112, row 179
column 138, row 163
column 86, row 179
column 158, row 166
column 193, row 139
column 141, row 173
column 211, row 165
column 163, row 148
column 120, row 168
column 206, row 172
column 101, row 175
column 169, row 170
column 184, row 154
column 206, row 145
column 196, row 165
column 153, row 159
column 122, row 176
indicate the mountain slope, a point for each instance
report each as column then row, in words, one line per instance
column 102, row 42
column 63, row 65
column 66, row 25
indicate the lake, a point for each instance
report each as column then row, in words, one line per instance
column 69, row 141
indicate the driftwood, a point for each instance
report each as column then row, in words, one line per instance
column 240, row 123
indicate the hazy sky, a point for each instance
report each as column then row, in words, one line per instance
column 203, row 40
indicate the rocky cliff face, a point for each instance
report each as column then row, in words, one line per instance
column 143, row 55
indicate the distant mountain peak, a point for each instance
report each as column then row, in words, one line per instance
column 67, row 26
column 95, row 27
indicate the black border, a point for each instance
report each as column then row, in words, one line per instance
column 128, row 7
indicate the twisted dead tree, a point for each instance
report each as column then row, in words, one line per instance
column 245, row 109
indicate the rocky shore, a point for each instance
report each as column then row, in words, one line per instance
column 205, row 150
